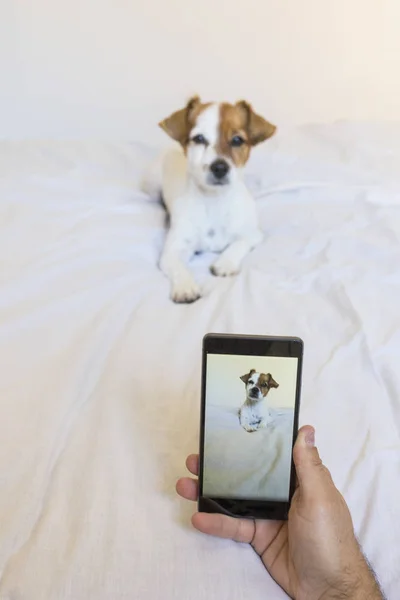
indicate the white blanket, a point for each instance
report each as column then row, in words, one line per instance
column 247, row 465
column 100, row 372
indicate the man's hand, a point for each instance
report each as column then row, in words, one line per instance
column 315, row 555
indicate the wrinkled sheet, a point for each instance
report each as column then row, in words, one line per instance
column 100, row 372
column 246, row 465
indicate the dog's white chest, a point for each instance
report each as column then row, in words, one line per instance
column 214, row 236
column 218, row 224
column 254, row 416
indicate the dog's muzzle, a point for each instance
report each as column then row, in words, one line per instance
column 220, row 170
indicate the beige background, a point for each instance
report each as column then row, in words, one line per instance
column 225, row 388
column 114, row 68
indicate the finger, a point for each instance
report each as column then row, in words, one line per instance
column 187, row 488
column 311, row 473
column 239, row 530
column 192, row 464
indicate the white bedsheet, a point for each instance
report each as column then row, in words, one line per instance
column 100, row 372
column 243, row 465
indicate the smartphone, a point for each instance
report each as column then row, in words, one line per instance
column 250, row 403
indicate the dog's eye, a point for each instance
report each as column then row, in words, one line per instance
column 199, row 139
column 237, row 141
column 264, row 384
column 250, row 381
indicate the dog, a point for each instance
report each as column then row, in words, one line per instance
column 254, row 413
column 201, row 183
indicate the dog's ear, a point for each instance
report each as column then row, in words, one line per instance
column 258, row 128
column 178, row 125
column 246, row 377
column 271, row 381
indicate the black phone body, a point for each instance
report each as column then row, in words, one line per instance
column 250, row 399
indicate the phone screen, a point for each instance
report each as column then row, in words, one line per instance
column 249, row 422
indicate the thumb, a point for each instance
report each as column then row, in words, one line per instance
column 311, row 473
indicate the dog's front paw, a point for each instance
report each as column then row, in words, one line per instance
column 224, row 267
column 186, row 291
column 253, row 425
column 250, row 428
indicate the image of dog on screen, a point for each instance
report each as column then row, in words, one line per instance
column 254, row 414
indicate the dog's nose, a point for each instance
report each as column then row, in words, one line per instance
column 219, row 168
column 254, row 391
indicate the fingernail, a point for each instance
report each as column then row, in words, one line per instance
column 310, row 438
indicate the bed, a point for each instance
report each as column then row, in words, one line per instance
column 100, row 372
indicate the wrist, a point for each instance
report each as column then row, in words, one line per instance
column 351, row 593
column 368, row 591
column 359, row 585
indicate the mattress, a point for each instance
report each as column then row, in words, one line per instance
column 100, row 371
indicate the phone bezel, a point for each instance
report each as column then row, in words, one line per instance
column 249, row 345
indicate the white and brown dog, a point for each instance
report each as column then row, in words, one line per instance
column 209, row 206
column 254, row 413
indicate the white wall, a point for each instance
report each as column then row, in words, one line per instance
column 113, row 68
